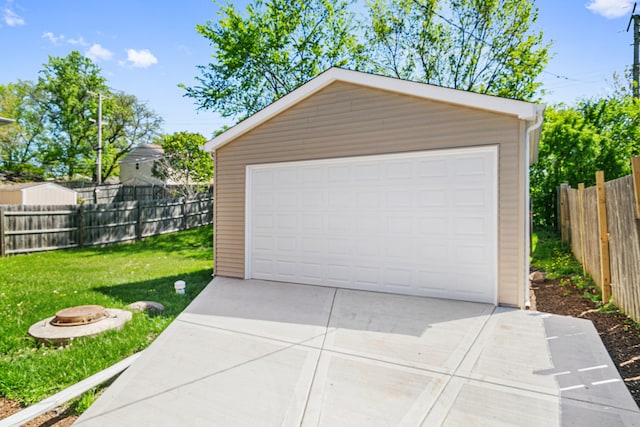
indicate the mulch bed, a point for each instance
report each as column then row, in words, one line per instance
column 619, row 334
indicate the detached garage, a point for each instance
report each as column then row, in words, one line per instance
column 368, row 182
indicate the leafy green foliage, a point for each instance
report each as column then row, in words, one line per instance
column 578, row 141
column 22, row 141
column 129, row 123
column 184, row 163
column 36, row 286
column 276, row 46
column 480, row 46
column 67, row 83
column 55, row 131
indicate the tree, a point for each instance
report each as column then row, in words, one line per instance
column 68, row 84
column 129, row 123
column 599, row 134
column 21, row 142
column 184, row 162
column 480, row 46
column 278, row 46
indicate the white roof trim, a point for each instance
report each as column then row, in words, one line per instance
column 5, row 121
column 523, row 110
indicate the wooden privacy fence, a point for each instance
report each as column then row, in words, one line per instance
column 602, row 225
column 125, row 193
column 42, row 228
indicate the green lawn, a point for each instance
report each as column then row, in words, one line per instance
column 554, row 257
column 36, row 286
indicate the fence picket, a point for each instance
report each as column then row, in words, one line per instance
column 38, row 228
column 622, row 235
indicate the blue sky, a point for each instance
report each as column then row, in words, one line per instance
column 147, row 48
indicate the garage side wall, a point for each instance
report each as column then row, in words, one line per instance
column 13, row 197
column 50, row 195
column 344, row 120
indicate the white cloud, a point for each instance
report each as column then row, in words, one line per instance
column 52, row 37
column 141, row 58
column 97, row 52
column 12, row 19
column 611, row 8
column 78, row 42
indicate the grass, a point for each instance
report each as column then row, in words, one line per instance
column 554, row 257
column 36, row 286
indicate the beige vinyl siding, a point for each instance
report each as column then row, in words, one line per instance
column 344, row 120
column 10, row 197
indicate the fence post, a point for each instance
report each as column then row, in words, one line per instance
column 139, row 220
column 3, row 247
column 635, row 167
column 564, row 226
column 581, row 213
column 603, row 231
column 81, row 226
column 185, row 222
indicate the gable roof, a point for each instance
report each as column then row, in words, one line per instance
column 27, row 185
column 527, row 111
column 143, row 152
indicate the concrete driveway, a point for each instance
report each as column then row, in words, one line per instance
column 256, row 353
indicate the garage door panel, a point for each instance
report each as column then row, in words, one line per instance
column 471, row 226
column 420, row 223
column 433, row 169
column 433, row 198
column 285, row 244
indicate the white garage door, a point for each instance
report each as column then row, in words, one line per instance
column 421, row 223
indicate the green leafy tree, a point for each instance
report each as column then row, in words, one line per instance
column 22, row 141
column 129, row 123
column 483, row 46
column 601, row 134
column 276, row 46
column 184, row 162
column 68, row 84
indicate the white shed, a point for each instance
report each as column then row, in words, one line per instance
column 37, row 193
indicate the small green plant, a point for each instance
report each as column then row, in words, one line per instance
column 595, row 297
column 82, row 403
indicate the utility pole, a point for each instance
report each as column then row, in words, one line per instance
column 99, row 149
column 636, row 50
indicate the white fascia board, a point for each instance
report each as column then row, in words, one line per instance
column 522, row 110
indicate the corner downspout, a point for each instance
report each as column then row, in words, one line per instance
column 527, row 205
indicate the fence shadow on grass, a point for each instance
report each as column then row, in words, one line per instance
column 172, row 243
column 160, row 290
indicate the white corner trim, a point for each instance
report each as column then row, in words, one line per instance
column 248, row 204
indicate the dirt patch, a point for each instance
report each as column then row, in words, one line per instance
column 59, row 417
column 619, row 334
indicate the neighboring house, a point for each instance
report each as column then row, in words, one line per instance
column 37, row 193
column 136, row 167
column 368, row 182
